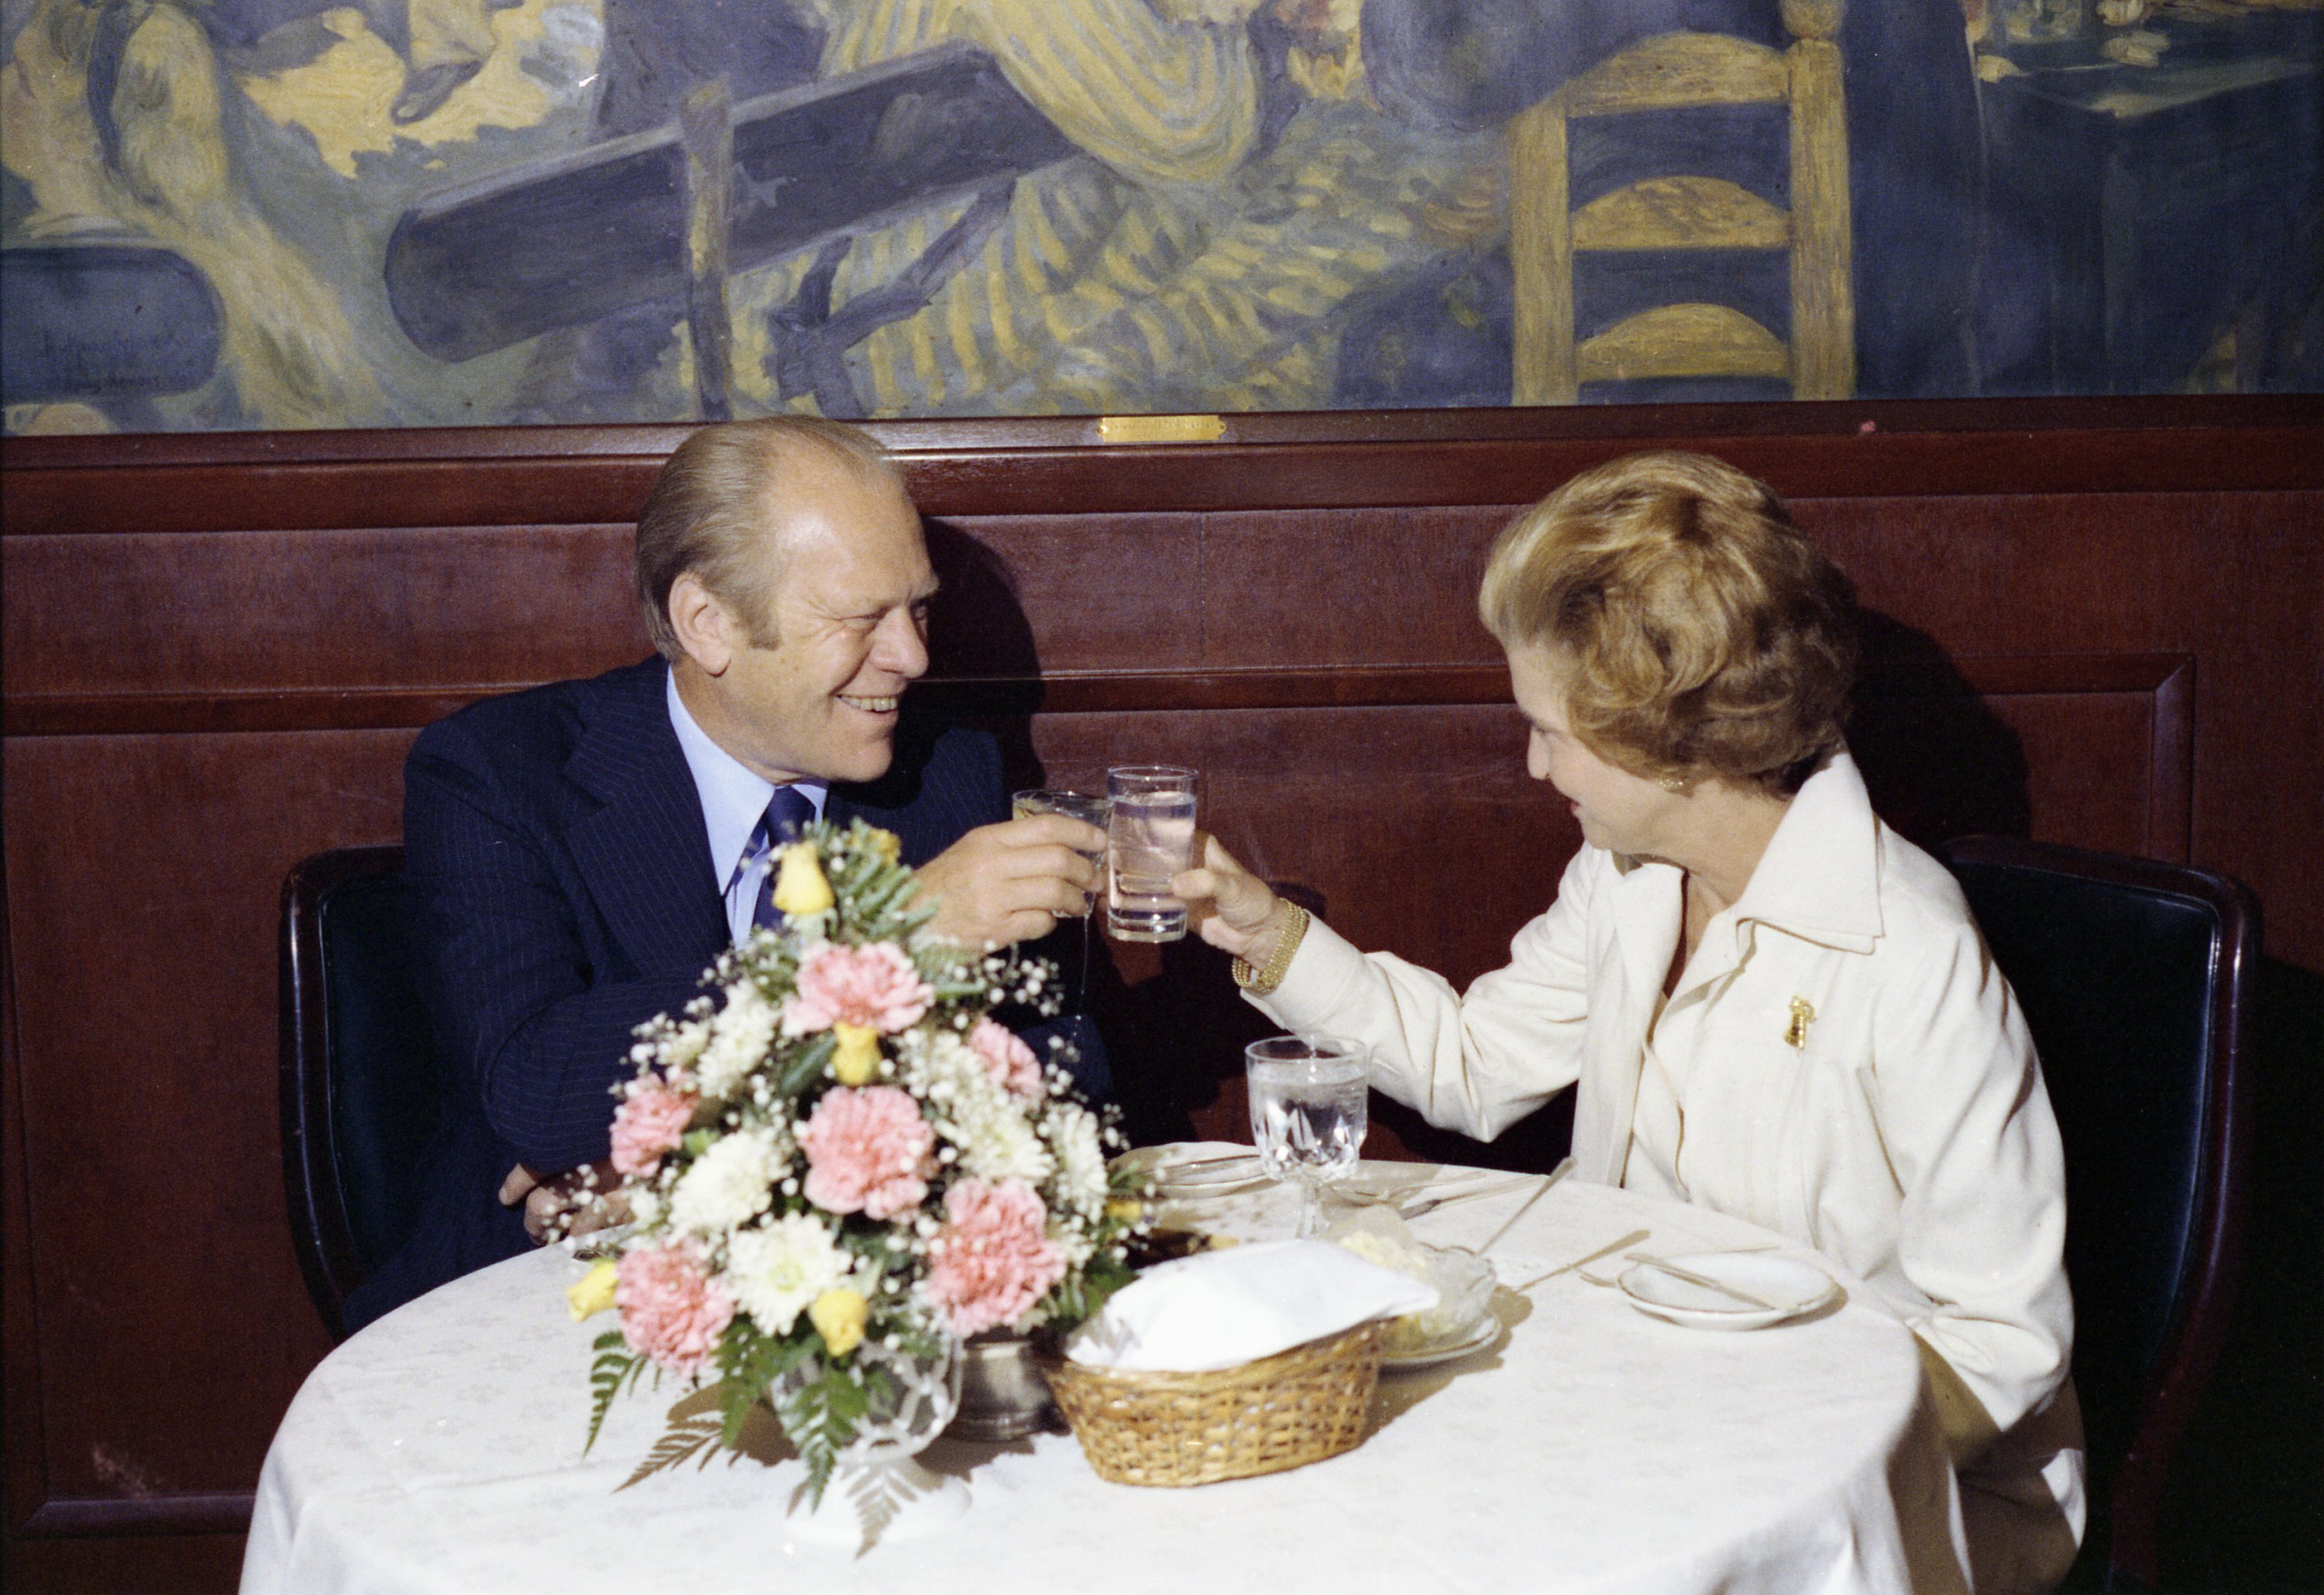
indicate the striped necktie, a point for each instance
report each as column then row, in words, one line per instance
column 787, row 811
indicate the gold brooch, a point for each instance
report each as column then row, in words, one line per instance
column 1795, row 1034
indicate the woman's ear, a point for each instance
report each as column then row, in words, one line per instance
column 706, row 629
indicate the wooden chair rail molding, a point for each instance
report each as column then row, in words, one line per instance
column 2091, row 622
column 565, row 475
column 1057, row 692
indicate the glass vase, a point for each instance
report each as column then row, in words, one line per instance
column 881, row 1490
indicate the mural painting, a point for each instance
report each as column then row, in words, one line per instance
column 230, row 214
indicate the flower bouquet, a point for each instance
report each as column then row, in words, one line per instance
column 849, row 1152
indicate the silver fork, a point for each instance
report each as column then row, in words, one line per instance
column 1356, row 1197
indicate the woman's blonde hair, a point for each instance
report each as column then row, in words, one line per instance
column 1705, row 635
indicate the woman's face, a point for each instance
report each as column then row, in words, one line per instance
column 1618, row 811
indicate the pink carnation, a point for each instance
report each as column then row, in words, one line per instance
column 1006, row 1057
column 672, row 1311
column 651, row 1120
column 991, row 1260
column 875, row 986
column 867, row 1151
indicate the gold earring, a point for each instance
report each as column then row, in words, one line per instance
column 1673, row 783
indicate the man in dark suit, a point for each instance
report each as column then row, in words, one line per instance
column 577, row 854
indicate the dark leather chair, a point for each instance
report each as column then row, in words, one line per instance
column 358, row 1082
column 2136, row 981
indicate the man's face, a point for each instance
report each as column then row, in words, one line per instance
column 849, row 619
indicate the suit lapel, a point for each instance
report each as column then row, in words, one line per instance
column 645, row 854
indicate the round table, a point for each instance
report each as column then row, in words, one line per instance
column 1592, row 1448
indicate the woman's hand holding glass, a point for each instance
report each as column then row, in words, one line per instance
column 1230, row 907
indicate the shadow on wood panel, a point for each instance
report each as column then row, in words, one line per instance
column 1936, row 759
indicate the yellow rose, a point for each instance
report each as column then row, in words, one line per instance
column 887, row 844
column 800, row 888
column 1125, row 1209
column 593, row 1294
column 856, row 1059
column 838, row 1315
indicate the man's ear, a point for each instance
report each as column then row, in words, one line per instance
column 706, row 629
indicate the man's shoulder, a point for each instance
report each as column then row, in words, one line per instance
column 947, row 780
column 932, row 749
column 539, row 727
column 963, row 749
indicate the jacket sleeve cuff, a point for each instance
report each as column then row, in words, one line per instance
column 1316, row 985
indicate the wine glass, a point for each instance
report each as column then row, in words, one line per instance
column 1309, row 1101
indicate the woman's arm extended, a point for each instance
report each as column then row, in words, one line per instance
column 1476, row 1063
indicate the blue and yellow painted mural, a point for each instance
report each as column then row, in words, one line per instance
column 230, row 214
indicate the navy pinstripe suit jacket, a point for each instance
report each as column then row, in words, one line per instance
column 560, row 875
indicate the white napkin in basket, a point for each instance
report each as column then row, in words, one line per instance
column 1222, row 1309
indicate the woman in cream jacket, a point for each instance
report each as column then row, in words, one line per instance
column 1773, row 1005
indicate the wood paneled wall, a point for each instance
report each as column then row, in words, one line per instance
column 2097, row 624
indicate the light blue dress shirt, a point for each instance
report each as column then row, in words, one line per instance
column 733, row 800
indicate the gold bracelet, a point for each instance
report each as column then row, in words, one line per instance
column 1260, row 981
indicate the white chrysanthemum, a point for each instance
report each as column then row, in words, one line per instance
column 777, row 1271
column 729, row 1185
column 682, row 1042
column 1072, row 1132
column 997, row 1143
column 973, row 1111
column 740, row 1034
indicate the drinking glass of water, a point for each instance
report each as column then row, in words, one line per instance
column 1309, row 1109
column 1085, row 807
column 1149, row 837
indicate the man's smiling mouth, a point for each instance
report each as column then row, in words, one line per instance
column 871, row 705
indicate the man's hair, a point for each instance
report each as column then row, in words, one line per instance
column 716, row 509
column 1705, row 635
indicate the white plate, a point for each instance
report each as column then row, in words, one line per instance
column 1789, row 1287
column 1207, row 1177
column 1401, row 1182
column 1486, row 1331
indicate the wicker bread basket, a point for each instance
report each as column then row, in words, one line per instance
column 1285, row 1411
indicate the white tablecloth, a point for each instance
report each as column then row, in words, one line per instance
column 1592, row 1449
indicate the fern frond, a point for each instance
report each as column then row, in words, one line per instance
column 615, row 1366
column 681, row 1440
column 749, row 1364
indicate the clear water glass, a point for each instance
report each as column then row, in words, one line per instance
column 1150, row 837
column 1085, row 807
column 1091, row 809
column 1309, row 1109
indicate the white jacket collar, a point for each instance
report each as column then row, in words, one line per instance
column 1819, row 878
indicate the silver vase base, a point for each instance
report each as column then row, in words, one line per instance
column 1005, row 1426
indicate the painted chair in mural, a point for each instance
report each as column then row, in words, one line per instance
column 1685, row 212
